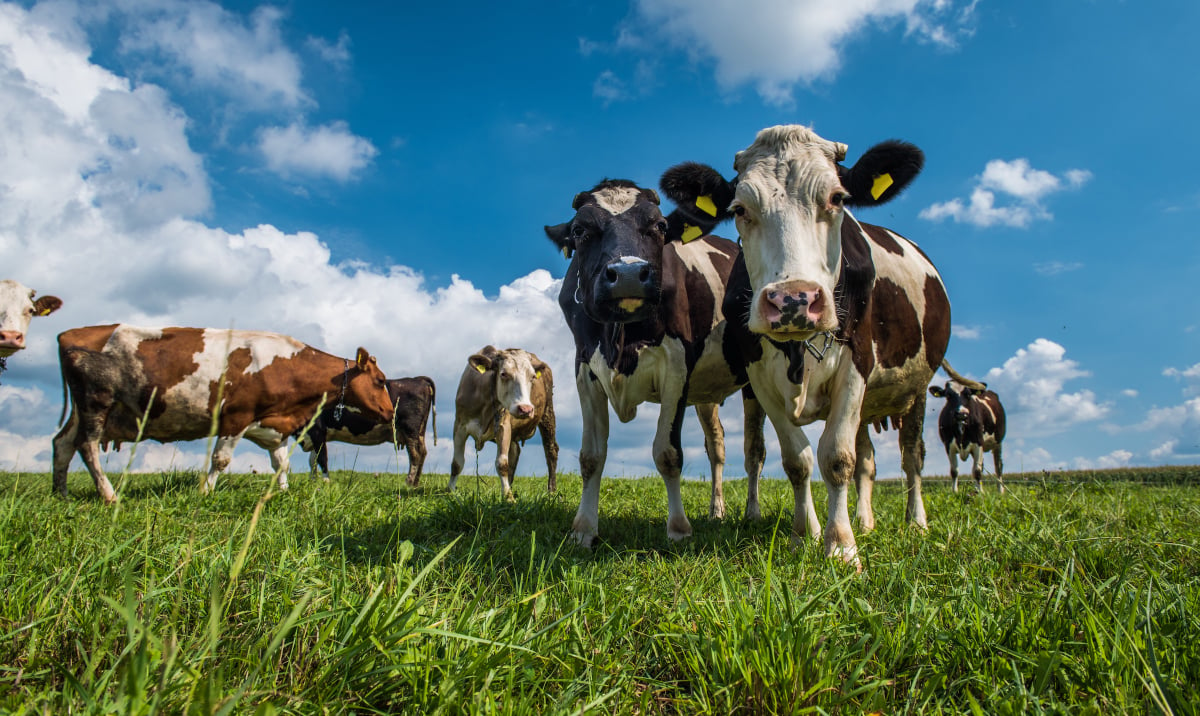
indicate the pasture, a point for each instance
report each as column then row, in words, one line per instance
column 1076, row 592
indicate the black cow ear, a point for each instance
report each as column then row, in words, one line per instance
column 936, row 391
column 881, row 173
column 650, row 195
column 583, row 197
column 702, row 198
column 560, row 236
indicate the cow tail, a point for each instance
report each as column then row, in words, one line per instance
column 958, row 378
column 62, row 371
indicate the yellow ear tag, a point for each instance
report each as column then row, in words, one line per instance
column 537, row 374
column 44, row 312
column 705, row 204
column 882, row 182
column 481, row 369
column 566, row 253
column 690, row 233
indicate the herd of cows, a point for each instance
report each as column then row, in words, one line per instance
column 811, row 314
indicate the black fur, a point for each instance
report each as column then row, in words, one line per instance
column 683, row 184
column 902, row 160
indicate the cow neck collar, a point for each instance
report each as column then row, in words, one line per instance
column 341, row 404
column 3, row 364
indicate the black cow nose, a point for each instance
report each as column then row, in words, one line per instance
column 628, row 277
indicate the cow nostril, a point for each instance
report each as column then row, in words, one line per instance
column 610, row 275
column 644, row 276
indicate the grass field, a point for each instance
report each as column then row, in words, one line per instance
column 1073, row 593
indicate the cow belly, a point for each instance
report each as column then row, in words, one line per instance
column 712, row 381
column 377, row 435
column 626, row 392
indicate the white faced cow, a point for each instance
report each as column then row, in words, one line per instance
column 189, row 382
column 970, row 424
column 642, row 297
column 504, row 397
column 837, row 320
column 17, row 309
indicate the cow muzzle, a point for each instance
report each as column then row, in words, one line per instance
column 11, row 342
column 627, row 288
column 799, row 307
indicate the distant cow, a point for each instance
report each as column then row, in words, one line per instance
column 503, row 397
column 642, row 297
column 971, row 423
column 17, row 309
column 837, row 320
column 412, row 401
column 262, row 386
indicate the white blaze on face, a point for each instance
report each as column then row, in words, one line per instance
column 790, row 229
column 16, row 310
column 514, row 382
column 616, row 200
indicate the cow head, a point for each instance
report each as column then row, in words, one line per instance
column 615, row 243
column 367, row 388
column 514, row 372
column 17, row 308
column 789, row 198
column 959, row 398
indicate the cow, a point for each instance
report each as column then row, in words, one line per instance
column 413, row 399
column 971, row 423
column 836, row 320
column 126, row 383
column 504, row 396
column 642, row 297
column 17, row 309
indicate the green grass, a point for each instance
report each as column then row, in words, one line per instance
column 1074, row 593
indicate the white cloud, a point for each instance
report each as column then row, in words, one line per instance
column 777, row 44
column 337, row 54
column 1031, row 387
column 1190, row 377
column 1021, row 188
column 1129, row 393
column 966, row 333
column 1054, row 268
column 609, row 88
column 217, row 49
column 1116, row 458
column 331, row 150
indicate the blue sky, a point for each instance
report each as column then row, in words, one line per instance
column 378, row 174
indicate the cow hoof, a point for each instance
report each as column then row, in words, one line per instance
column 583, row 540
column 866, row 524
column 717, row 513
column 678, row 535
column 753, row 514
column 848, row 555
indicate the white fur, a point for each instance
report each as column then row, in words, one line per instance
column 616, row 200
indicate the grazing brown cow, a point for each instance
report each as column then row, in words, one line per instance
column 412, row 399
column 970, row 424
column 503, row 397
column 17, row 309
column 263, row 386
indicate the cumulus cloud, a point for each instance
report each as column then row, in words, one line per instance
column 966, row 333
column 1116, row 458
column 1021, row 190
column 1177, row 426
column 777, row 44
column 1032, row 386
column 330, row 150
column 337, row 54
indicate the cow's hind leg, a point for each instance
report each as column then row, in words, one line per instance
column 912, row 460
column 864, row 478
column 64, row 448
column 547, row 428
column 460, row 446
column 416, row 459
column 668, row 458
column 280, row 463
column 222, row 455
column 714, row 447
column 755, row 448
column 998, row 463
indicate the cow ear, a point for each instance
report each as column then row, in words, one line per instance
column 46, row 305
column 881, row 173
column 560, row 236
column 936, row 391
column 480, row 362
column 702, row 198
column 651, row 195
column 362, row 358
column 540, row 368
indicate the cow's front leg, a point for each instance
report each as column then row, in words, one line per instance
column 977, row 467
column 912, row 460
column 714, row 447
column 281, row 464
column 998, row 463
column 505, row 464
column 864, row 478
column 668, row 458
column 460, row 447
column 797, row 454
column 836, row 456
column 952, row 456
column 592, row 454
column 222, row 455
column 755, row 448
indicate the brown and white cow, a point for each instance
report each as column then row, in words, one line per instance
column 642, row 297
column 837, row 320
column 192, row 383
column 413, row 399
column 970, row 424
column 17, row 309
column 504, row 397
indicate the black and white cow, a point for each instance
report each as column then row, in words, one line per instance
column 837, row 320
column 642, row 297
column 970, row 424
column 413, row 401
column 17, row 309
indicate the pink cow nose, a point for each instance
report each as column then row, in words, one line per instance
column 12, row 339
column 524, row 410
column 794, row 306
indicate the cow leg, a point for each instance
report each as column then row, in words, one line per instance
column 755, row 448
column 952, row 456
column 416, row 459
column 504, row 463
column 460, row 446
column 510, row 469
column 835, row 454
column 977, row 466
column 912, row 459
column 546, row 429
column 221, row 457
column 280, row 464
column 592, row 453
column 797, row 454
column 864, row 478
column 668, row 458
column 999, row 465
column 64, row 449
column 714, row 447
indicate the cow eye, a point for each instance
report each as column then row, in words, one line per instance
column 838, row 198
column 661, row 226
column 578, row 231
column 739, row 211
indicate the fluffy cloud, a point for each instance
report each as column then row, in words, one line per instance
column 330, row 150
column 776, row 44
column 1031, row 385
column 1054, row 268
column 1021, row 188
